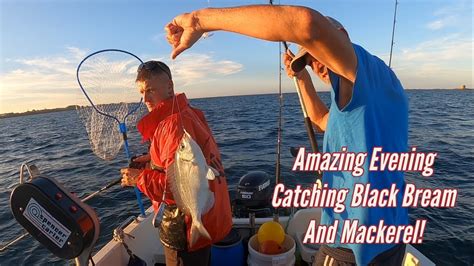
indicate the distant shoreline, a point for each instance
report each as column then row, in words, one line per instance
column 42, row 111
column 73, row 107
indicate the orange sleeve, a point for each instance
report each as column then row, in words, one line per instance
column 151, row 183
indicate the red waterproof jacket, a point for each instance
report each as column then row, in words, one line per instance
column 164, row 128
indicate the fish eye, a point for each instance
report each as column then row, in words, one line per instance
column 182, row 147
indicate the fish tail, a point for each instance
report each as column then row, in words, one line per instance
column 197, row 230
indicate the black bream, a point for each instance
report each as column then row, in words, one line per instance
column 188, row 177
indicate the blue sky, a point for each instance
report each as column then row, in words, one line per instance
column 42, row 43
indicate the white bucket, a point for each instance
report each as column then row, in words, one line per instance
column 284, row 259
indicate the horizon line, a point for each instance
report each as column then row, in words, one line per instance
column 210, row 97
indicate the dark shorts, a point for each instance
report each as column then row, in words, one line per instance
column 200, row 257
column 328, row 256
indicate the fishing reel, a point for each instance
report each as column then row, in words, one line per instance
column 53, row 216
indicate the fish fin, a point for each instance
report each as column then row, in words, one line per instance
column 187, row 134
column 171, row 171
column 197, row 230
column 210, row 174
column 209, row 203
column 214, row 170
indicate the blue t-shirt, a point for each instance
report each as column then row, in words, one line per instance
column 376, row 116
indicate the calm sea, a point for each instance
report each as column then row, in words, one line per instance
column 245, row 128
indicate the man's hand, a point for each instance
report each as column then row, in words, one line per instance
column 287, row 58
column 129, row 176
column 183, row 32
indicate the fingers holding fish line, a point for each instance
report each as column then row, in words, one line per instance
column 173, row 35
column 183, row 32
column 172, row 28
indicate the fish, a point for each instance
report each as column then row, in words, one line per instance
column 188, row 177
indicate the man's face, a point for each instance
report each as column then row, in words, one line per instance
column 319, row 69
column 155, row 90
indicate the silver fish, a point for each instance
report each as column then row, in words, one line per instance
column 188, row 177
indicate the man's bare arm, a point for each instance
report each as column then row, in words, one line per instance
column 317, row 110
column 300, row 25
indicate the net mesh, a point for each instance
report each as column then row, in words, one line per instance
column 108, row 79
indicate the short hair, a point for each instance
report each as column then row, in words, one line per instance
column 151, row 68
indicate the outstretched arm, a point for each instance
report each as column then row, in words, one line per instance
column 300, row 25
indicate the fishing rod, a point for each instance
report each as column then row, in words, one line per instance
column 88, row 197
column 307, row 120
column 278, row 164
column 393, row 33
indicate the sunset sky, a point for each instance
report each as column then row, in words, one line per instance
column 42, row 42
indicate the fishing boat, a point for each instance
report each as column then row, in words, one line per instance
column 69, row 228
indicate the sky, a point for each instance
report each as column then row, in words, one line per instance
column 42, row 43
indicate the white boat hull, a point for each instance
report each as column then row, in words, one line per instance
column 143, row 240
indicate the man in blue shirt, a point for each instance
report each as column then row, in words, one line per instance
column 368, row 106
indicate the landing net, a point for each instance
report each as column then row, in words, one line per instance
column 111, row 102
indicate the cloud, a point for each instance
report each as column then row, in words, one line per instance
column 159, row 38
column 77, row 53
column 194, row 68
column 50, row 81
column 39, row 74
column 445, row 62
column 201, row 68
column 442, row 23
column 451, row 15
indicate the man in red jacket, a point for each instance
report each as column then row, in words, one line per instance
column 163, row 127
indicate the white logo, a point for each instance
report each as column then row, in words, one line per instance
column 46, row 223
column 264, row 185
